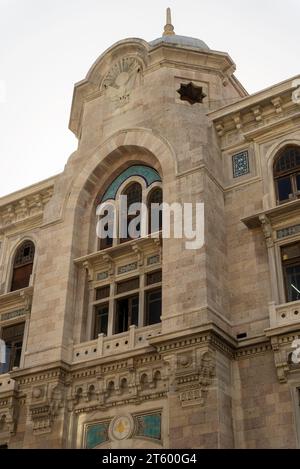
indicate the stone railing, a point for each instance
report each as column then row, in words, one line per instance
column 283, row 315
column 119, row 343
column 7, row 383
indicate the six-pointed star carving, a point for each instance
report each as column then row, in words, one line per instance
column 191, row 93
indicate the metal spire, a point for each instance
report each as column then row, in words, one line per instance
column 169, row 28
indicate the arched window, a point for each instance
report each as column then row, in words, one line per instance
column 154, row 214
column 22, row 267
column 287, row 174
column 134, row 196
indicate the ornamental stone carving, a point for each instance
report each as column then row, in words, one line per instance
column 123, row 76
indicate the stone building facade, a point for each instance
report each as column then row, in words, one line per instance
column 142, row 343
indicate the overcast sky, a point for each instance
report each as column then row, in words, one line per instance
column 48, row 45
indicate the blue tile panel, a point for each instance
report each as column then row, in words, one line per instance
column 240, row 164
column 97, row 434
column 149, row 174
column 149, row 426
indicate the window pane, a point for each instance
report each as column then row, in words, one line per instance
column 128, row 285
column 284, row 186
column 298, row 182
column 293, row 282
column 101, row 320
column 13, row 338
column 291, row 251
column 102, row 292
column 153, row 306
column 154, row 277
column 127, row 313
column 288, row 161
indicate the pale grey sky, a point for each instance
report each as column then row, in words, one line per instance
column 48, row 45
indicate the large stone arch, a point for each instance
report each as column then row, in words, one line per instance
column 115, row 154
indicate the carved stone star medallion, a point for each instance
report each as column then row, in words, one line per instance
column 191, row 93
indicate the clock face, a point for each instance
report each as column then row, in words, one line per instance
column 121, row 427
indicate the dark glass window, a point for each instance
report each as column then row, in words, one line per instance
column 13, row 338
column 102, row 292
column 154, row 277
column 127, row 313
column 23, row 264
column 298, row 182
column 154, row 214
column 101, row 320
column 291, row 269
column 153, row 306
column 107, row 242
column 128, row 285
column 284, row 186
column 134, row 195
column 286, row 174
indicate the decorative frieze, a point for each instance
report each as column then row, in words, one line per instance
column 23, row 209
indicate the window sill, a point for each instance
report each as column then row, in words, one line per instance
column 274, row 215
column 14, row 300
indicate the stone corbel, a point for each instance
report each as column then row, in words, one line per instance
column 89, row 270
column 238, row 121
column 9, row 414
column 267, row 230
column 277, row 104
column 27, row 298
column 140, row 255
column 220, row 129
column 257, row 113
column 281, row 360
column 111, row 265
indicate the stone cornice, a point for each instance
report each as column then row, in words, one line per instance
column 276, row 214
column 25, row 208
column 259, row 115
column 252, row 101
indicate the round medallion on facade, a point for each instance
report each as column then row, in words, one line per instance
column 121, row 427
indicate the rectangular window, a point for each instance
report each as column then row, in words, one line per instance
column 291, row 268
column 127, row 313
column 128, row 285
column 298, row 182
column 284, row 188
column 154, row 277
column 13, row 338
column 153, row 306
column 101, row 320
column 102, row 292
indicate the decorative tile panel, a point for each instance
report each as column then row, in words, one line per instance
column 291, row 230
column 127, row 268
column 149, row 426
column 240, row 164
column 12, row 314
column 149, row 174
column 97, row 434
column 102, row 276
column 153, row 259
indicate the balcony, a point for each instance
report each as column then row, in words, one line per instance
column 134, row 339
column 284, row 315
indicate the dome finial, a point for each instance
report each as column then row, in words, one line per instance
column 169, row 28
